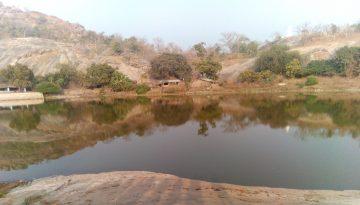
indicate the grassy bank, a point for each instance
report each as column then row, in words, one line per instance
column 325, row 85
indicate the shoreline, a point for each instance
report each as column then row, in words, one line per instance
column 326, row 85
column 251, row 91
column 138, row 187
column 18, row 96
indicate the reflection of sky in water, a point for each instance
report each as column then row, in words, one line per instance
column 248, row 152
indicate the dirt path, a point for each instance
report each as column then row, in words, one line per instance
column 153, row 188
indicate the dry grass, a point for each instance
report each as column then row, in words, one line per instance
column 326, row 84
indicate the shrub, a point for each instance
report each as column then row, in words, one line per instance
column 300, row 85
column 66, row 74
column 142, row 89
column 48, row 88
column 209, row 68
column 248, row 76
column 63, row 77
column 117, row 47
column 293, row 69
column 347, row 61
column 275, row 59
column 252, row 77
column 311, row 80
column 319, row 68
column 266, row 76
column 120, row 82
column 170, row 65
column 99, row 75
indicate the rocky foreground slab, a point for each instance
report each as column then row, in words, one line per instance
column 154, row 188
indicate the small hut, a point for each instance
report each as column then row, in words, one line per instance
column 6, row 87
column 165, row 83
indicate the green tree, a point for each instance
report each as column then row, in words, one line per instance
column 99, row 75
column 209, row 68
column 120, row 82
column 19, row 75
column 67, row 73
column 170, row 65
column 200, row 49
column 347, row 60
column 275, row 59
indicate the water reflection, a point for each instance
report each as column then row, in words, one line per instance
column 25, row 120
column 208, row 115
column 32, row 134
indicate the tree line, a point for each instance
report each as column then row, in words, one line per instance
column 96, row 76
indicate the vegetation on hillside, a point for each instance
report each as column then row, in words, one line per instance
column 276, row 59
column 97, row 76
column 18, row 75
column 48, row 88
column 168, row 60
column 120, row 82
column 290, row 64
column 206, row 63
column 169, row 65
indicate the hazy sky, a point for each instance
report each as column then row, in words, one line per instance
column 189, row 21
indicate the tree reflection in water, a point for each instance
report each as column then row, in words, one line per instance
column 172, row 111
column 31, row 135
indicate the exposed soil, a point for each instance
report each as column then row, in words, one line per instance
column 28, row 96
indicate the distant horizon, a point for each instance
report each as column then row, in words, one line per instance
column 202, row 21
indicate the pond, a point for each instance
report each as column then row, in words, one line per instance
column 305, row 142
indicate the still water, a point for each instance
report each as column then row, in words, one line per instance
column 305, row 142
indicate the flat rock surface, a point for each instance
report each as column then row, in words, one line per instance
column 154, row 188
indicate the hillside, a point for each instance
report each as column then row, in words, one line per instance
column 15, row 23
column 319, row 48
column 42, row 55
column 41, row 42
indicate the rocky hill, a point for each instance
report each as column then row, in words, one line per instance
column 16, row 23
column 43, row 55
column 42, row 42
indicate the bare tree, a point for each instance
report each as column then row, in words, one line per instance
column 235, row 42
column 173, row 48
column 159, row 45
